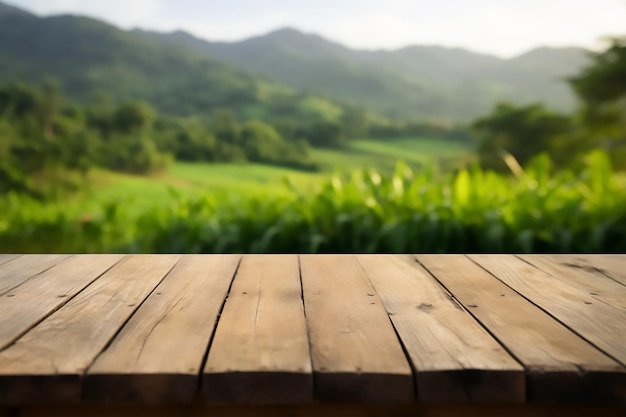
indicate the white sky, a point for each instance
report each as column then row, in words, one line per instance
column 499, row 27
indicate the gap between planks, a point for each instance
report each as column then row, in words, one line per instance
column 560, row 365
column 454, row 358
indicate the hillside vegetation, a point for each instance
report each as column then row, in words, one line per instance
column 118, row 141
column 366, row 212
column 416, row 82
column 261, row 77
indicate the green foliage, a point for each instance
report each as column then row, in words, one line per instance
column 88, row 56
column 364, row 212
column 523, row 132
column 42, row 137
column 42, row 133
column 133, row 117
column 414, row 83
column 602, row 89
column 603, row 81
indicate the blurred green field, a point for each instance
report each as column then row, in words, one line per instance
column 228, row 179
column 541, row 210
column 383, row 155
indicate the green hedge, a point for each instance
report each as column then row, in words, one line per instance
column 410, row 212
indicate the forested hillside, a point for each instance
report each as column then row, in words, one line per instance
column 92, row 59
column 416, row 82
column 261, row 77
column 86, row 107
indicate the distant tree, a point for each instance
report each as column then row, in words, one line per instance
column 133, row 117
column 602, row 89
column 322, row 134
column 521, row 131
column 49, row 107
column 261, row 142
column 225, row 126
column 194, row 143
column 354, row 122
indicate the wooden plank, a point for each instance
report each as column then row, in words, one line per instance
column 46, row 364
column 593, row 282
column 260, row 352
column 18, row 270
column 454, row 357
column 560, row 366
column 24, row 306
column 599, row 323
column 6, row 258
column 158, row 355
column 355, row 351
column 612, row 266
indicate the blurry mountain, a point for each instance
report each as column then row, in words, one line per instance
column 89, row 57
column 414, row 82
column 182, row 74
column 8, row 10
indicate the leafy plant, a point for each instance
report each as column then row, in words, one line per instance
column 473, row 210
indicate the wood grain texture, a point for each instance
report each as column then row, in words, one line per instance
column 6, row 258
column 26, row 305
column 157, row 356
column 46, row 364
column 455, row 359
column 560, row 366
column 599, row 323
column 355, row 351
column 613, row 266
column 18, row 270
column 260, row 351
column 592, row 281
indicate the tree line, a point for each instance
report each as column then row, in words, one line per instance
column 43, row 134
column 599, row 122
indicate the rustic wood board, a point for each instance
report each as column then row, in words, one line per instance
column 454, row 357
column 157, row 356
column 594, row 283
column 46, row 364
column 16, row 271
column 613, row 266
column 26, row 305
column 560, row 366
column 355, row 351
column 6, row 258
column 260, row 351
column 599, row 323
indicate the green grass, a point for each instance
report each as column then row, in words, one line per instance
column 383, row 155
column 192, row 179
column 226, row 180
column 542, row 210
column 238, row 178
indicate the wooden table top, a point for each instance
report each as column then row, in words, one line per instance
column 276, row 329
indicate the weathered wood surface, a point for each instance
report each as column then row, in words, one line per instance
column 560, row 366
column 26, row 305
column 7, row 258
column 612, row 266
column 260, row 352
column 454, row 358
column 158, row 354
column 17, row 270
column 601, row 324
column 355, row 352
column 213, row 331
column 592, row 281
column 47, row 363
